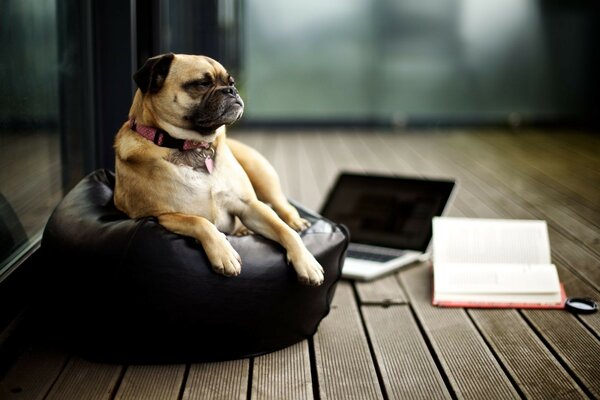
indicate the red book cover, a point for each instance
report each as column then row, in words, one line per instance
column 559, row 305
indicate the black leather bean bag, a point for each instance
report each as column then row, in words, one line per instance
column 129, row 291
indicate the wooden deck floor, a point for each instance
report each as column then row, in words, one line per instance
column 384, row 339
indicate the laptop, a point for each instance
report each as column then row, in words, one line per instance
column 389, row 218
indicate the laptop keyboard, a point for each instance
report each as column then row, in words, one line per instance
column 372, row 256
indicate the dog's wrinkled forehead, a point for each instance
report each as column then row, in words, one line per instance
column 176, row 69
column 188, row 67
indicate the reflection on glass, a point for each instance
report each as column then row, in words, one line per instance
column 30, row 183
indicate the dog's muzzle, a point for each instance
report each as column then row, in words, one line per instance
column 224, row 106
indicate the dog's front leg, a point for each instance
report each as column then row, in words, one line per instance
column 266, row 184
column 221, row 255
column 263, row 220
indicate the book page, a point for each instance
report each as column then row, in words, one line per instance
column 496, row 278
column 480, row 240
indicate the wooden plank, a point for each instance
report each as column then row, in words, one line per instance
column 338, row 146
column 218, row 381
column 379, row 146
column 520, row 178
column 539, row 205
column 33, row 374
column 470, row 366
column 513, row 182
column 324, row 167
column 407, row 367
column 579, row 349
column 284, row 374
column 385, row 290
column 82, row 379
column 395, row 151
column 583, row 145
column 536, row 371
column 592, row 321
column 548, row 170
column 344, row 364
column 532, row 178
column 327, row 149
column 149, row 382
column 579, row 259
column 361, row 150
column 252, row 137
column 496, row 185
column 306, row 167
column 560, row 147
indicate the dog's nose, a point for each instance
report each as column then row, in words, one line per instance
column 230, row 90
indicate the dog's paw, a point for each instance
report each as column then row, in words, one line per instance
column 298, row 224
column 308, row 269
column 289, row 215
column 243, row 231
column 223, row 257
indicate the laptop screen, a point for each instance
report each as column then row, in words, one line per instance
column 388, row 211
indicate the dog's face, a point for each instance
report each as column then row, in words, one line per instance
column 189, row 92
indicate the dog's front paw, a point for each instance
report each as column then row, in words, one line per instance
column 290, row 216
column 223, row 257
column 308, row 269
column 298, row 224
column 243, row 231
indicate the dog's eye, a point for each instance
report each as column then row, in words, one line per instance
column 198, row 84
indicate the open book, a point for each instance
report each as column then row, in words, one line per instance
column 495, row 263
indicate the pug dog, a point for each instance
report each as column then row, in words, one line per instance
column 174, row 162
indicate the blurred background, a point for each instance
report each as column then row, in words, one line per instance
column 66, row 67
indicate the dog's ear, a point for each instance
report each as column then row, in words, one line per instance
column 153, row 73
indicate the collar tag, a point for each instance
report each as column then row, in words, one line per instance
column 208, row 153
column 210, row 165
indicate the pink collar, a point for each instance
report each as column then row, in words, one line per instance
column 163, row 139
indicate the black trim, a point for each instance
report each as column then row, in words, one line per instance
column 76, row 92
column 146, row 26
column 168, row 140
column 113, row 83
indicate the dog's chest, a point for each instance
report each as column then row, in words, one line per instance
column 194, row 159
column 212, row 196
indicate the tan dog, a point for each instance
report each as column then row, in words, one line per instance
column 174, row 162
